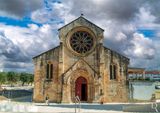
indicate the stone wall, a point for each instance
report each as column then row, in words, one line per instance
column 42, row 86
column 68, row 66
column 115, row 90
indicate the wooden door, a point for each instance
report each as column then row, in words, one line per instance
column 81, row 88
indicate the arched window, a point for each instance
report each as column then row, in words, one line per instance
column 49, row 71
column 113, row 70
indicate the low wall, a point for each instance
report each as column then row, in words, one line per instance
column 141, row 90
column 15, row 93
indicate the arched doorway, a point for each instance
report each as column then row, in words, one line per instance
column 81, row 88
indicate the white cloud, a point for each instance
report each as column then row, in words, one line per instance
column 24, row 43
column 120, row 20
column 144, row 19
column 19, row 8
column 153, row 64
column 120, row 36
column 142, row 47
column 33, row 27
column 145, row 16
column 41, row 16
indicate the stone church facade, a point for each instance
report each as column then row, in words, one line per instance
column 80, row 66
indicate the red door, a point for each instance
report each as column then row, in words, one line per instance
column 81, row 88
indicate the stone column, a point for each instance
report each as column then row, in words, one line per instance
column 66, row 97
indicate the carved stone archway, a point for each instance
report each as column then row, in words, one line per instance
column 90, row 84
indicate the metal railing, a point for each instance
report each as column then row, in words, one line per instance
column 77, row 101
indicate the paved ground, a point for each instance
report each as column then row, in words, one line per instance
column 28, row 107
column 23, row 104
column 24, row 99
column 58, row 108
column 108, row 107
column 143, row 107
column 149, row 107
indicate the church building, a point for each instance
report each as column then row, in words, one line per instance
column 80, row 66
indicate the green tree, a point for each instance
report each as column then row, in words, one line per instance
column 2, row 78
column 12, row 77
column 23, row 78
column 30, row 79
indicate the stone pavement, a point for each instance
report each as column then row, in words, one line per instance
column 16, row 107
column 147, row 107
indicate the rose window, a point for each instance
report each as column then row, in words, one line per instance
column 81, row 42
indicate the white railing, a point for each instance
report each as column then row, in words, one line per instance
column 77, row 101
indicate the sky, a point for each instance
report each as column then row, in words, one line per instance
column 30, row 27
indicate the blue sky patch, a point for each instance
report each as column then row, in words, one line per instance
column 15, row 22
column 147, row 32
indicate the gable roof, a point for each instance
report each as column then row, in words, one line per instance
column 45, row 52
column 116, row 52
column 81, row 17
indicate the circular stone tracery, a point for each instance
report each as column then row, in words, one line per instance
column 81, row 42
